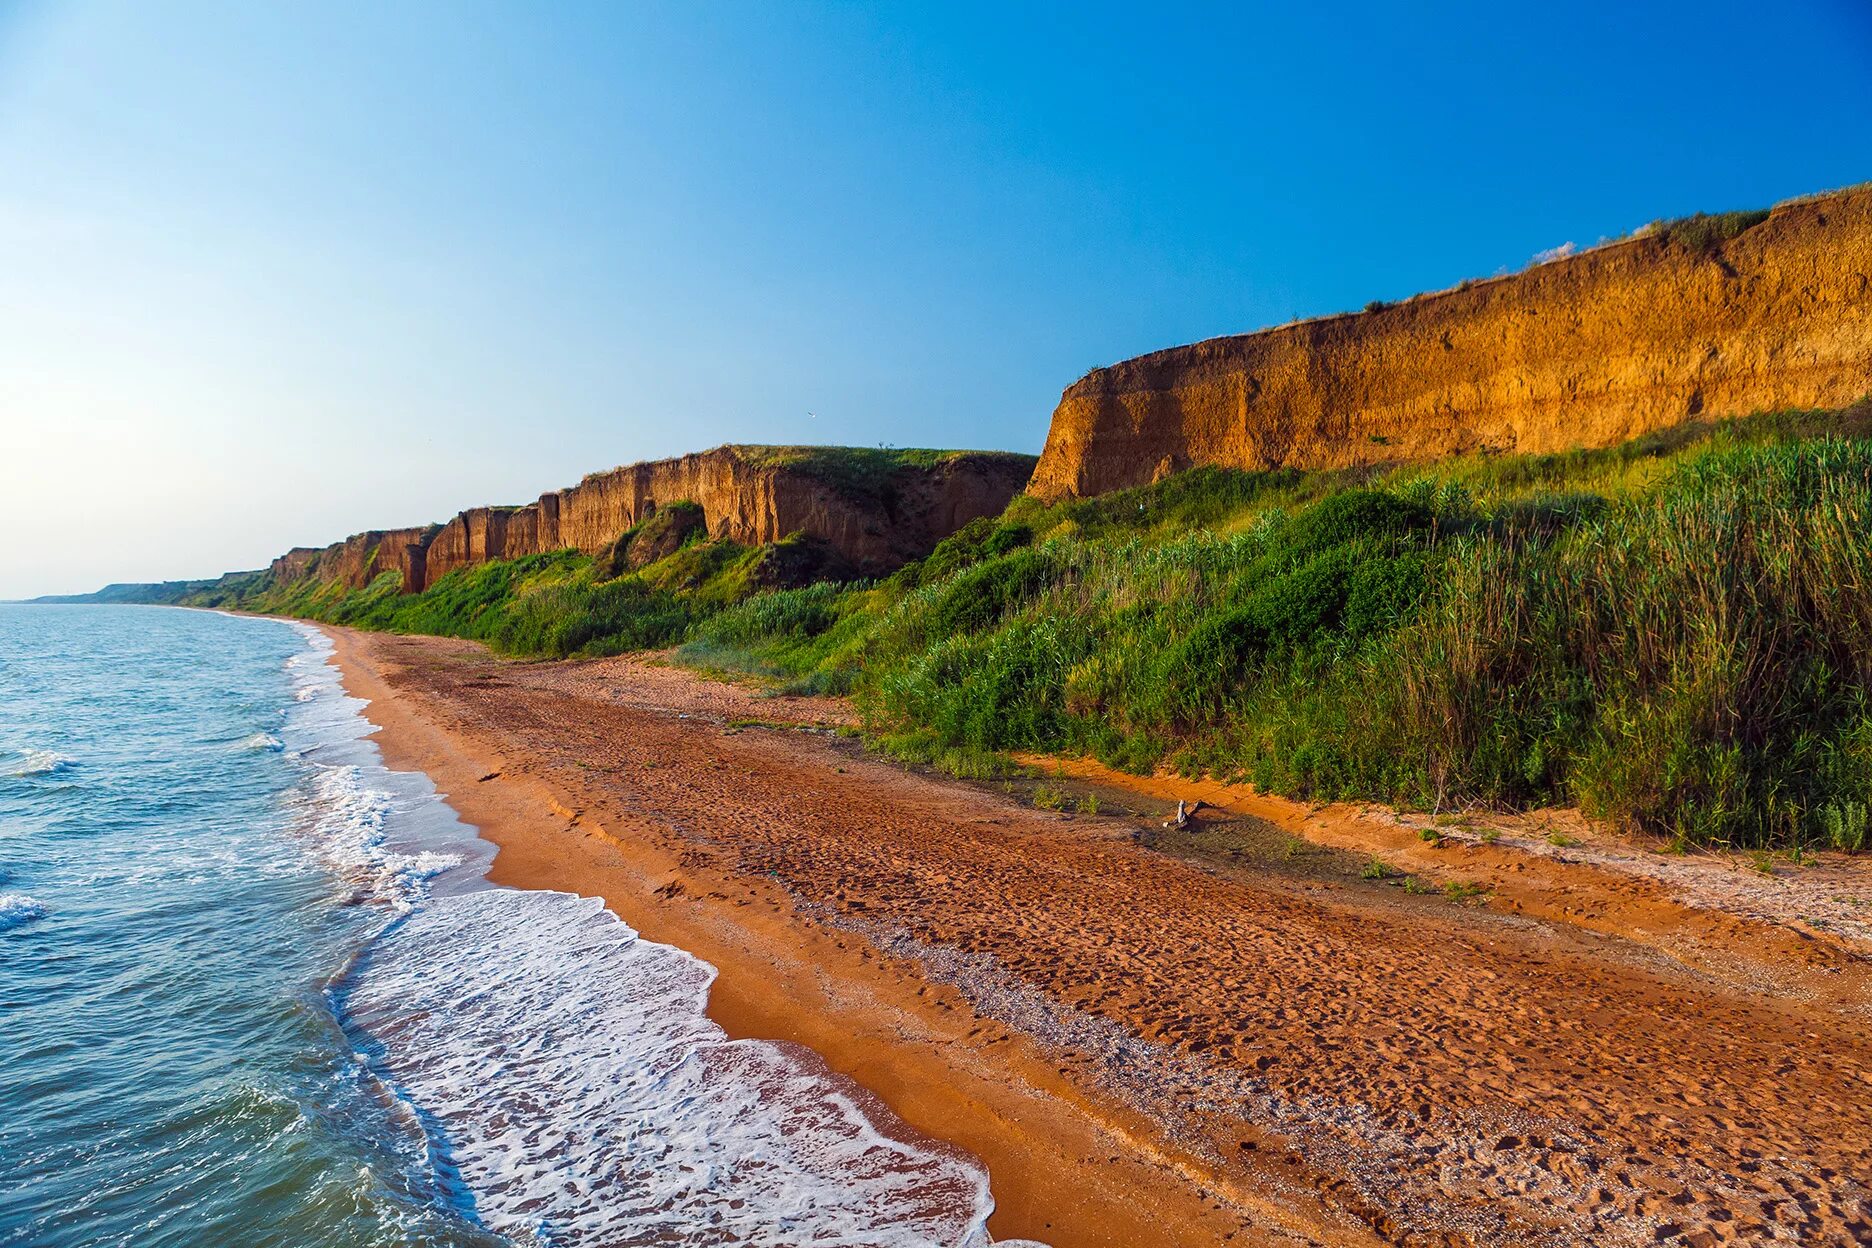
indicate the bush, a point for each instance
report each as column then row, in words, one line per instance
column 981, row 538
column 792, row 614
column 979, row 596
column 657, row 536
column 1707, row 232
column 1354, row 516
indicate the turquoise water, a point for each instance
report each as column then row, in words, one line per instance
column 255, row 991
column 174, row 1074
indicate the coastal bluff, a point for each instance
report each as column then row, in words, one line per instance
column 875, row 509
column 1586, row 351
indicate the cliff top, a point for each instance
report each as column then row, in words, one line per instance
column 863, row 470
column 855, row 472
column 830, row 463
column 1700, row 233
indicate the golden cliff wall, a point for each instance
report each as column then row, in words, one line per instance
column 360, row 558
column 749, row 501
column 1582, row 352
column 751, row 495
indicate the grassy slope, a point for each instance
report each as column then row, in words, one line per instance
column 1676, row 633
column 1673, row 633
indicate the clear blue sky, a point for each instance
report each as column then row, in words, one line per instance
column 279, row 272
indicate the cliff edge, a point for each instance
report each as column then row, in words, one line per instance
column 877, row 509
column 1587, row 351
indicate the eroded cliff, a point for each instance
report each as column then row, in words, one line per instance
column 360, row 558
column 1582, row 352
column 876, row 509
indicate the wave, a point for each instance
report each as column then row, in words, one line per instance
column 565, row 1074
column 42, row 763
column 17, row 909
column 262, row 741
column 348, row 819
column 571, row 1077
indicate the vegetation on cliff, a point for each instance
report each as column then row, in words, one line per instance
column 862, row 472
column 1707, row 316
column 1675, row 633
column 552, row 605
column 1671, row 633
column 1705, row 231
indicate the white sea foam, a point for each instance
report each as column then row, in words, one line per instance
column 565, row 1072
column 347, row 818
column 262, row 741
column 41, row 763
column 17, row 909
column 572, row 1079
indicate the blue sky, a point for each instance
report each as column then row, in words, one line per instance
column 282, row 272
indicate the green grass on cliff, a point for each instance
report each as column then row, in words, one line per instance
column 1706, row 232
column 549, row 605
column 1675, row 634
column 859, row 471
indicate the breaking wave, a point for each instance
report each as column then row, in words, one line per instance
column 347, row 820
column 572, row 1080
column 565, row 1072
column 41, row 763
column 17, row 909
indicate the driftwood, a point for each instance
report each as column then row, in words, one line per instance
column 1183, row 814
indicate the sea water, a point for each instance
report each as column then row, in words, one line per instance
column 254, row 990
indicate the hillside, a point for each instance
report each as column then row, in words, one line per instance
column 1671, row 633
column 871, row 509
column 157, row 593
column 1707, row 318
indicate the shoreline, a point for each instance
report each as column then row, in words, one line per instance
column 1151, row 1039
column 1057, row 1165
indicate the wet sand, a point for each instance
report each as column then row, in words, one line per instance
column 1156, row 1037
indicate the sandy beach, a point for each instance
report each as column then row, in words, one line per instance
column 1224, row 1033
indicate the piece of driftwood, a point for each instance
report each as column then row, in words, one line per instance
column 1184, row 814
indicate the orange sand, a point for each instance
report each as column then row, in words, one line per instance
column 1157, row 1048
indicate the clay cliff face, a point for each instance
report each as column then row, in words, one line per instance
column 751, row 495
column 1583, row 352
column 358, row 559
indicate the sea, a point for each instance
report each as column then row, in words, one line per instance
column 255, row 990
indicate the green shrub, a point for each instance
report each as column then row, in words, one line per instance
column 980, row 595
column 791, row 614
column 1352, row 516
column 1381, row 593
column 1844, row 823
column 1007, row 537
column 1706, row 232
column 981, row 538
